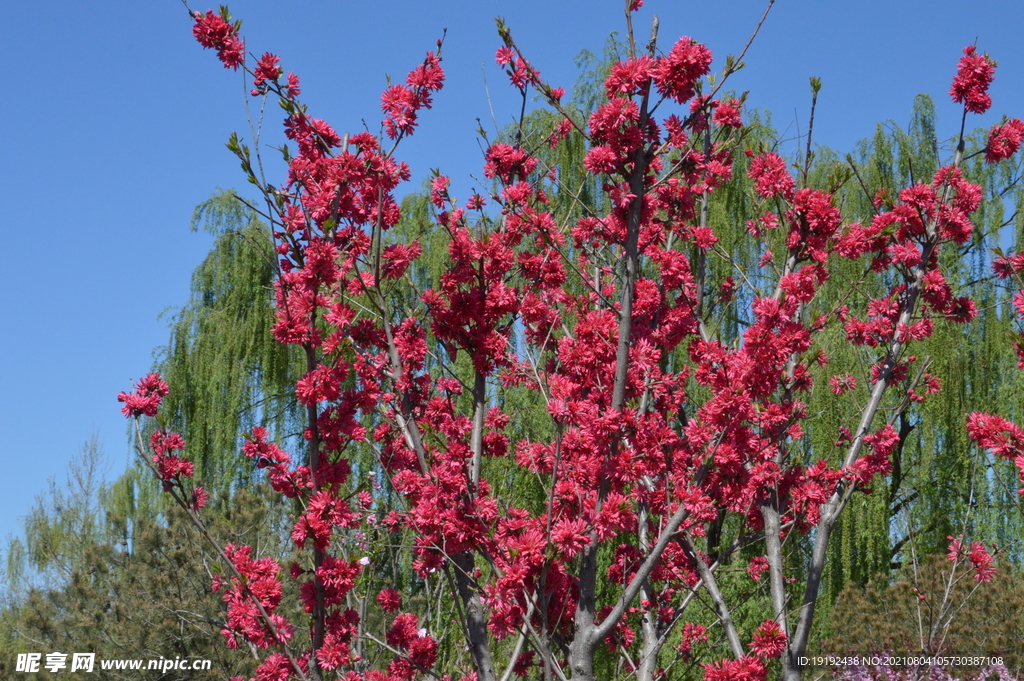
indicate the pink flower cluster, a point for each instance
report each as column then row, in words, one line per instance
column 217, row 32
column 974, row 74
column 145, row 399
column 268, row 70
column 401, row 103
column 984, row 566
column 1004, row 140
column 260, row 588
column 750, row 668
column 1003, row 438
column 676, row 74
column 168, row 464
column 520, row 72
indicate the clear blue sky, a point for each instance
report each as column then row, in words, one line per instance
column 113, row 124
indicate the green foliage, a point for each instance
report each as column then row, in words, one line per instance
column 62, row 524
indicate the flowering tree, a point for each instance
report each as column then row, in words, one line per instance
column 657, row 427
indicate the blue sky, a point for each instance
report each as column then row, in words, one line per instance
column 113, row 126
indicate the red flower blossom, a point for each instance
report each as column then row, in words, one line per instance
column 691, row 634
column 214, row 31
column 758, row 566
column 145, row 400
column 842, row 384
column 601, row 159
column 1004, row 438
column 1004, row 140
column 984, row 569
column 727, row 114
column 267, row 69
column 199, row 498
column 389, row 600
column 677, row 73
column 769, row 641
column 401, row 103
column 974, row 74
column 627, row 78
column 771, row 176
column 508, row 162
column 504, row 55
column 744, row 669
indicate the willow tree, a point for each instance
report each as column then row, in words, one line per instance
column 228, row 372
